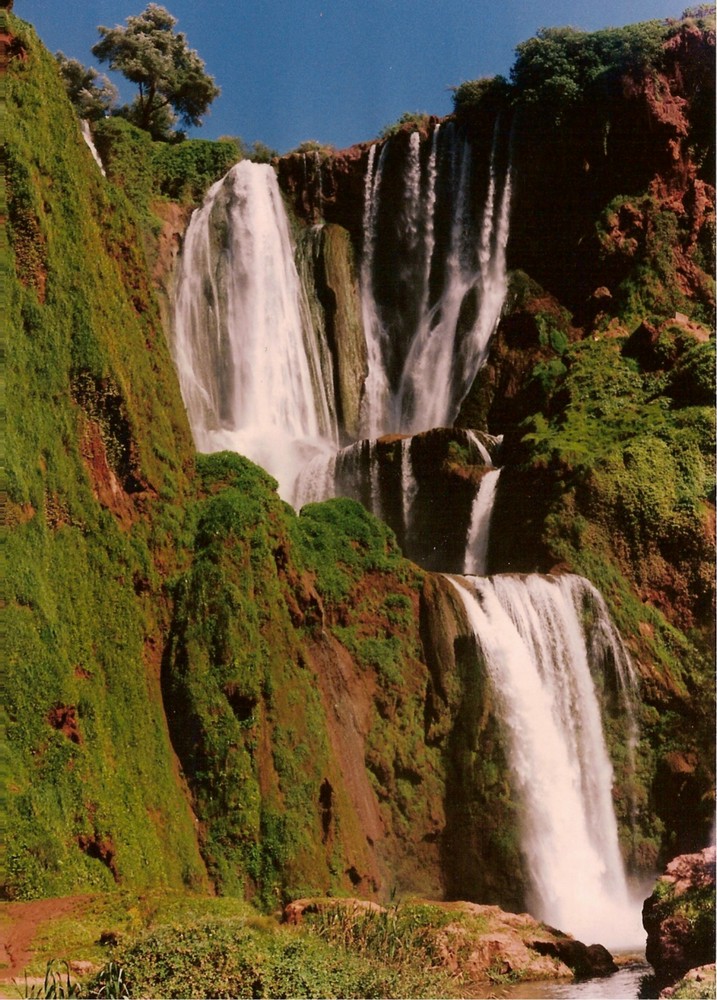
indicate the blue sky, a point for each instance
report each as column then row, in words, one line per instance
column 336, row 71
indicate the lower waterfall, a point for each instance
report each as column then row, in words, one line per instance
column 529, row 633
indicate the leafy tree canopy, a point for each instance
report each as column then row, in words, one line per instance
column 173, row 85
column 486, row 92
column 560, row 66
column 91, row 92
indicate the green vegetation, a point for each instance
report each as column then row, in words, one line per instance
column 404, row 934
column 314, row 146
column 696, row 906
column 92, row 94
column 695, row 989
column 255, row 959
column 144, row 168
column 172, row 83
column 410, row 121
column 489, row 94
column 92, row 796
column 324, row 530
column 562, row 69
column 57, row 985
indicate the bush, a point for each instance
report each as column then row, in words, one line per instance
column 409, row 121
column 487, row 94
column 256, row 959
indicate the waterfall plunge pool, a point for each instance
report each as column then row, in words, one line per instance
column 633, row 981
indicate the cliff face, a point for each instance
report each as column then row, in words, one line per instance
column 601, row 372
column 641, row 161
column 93, row 413
column 209, row 689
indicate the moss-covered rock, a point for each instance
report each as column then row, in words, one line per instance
column 325, row 259
column 96, row 446
column 679, row 916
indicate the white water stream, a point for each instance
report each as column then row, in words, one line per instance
column 247, row 357
column 530, row 634
column 479, row 528
column 87, row 136
column 442, row 358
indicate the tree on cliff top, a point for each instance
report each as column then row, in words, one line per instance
column 91, row 92
column 173, row 84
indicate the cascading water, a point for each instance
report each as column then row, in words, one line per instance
column 530, row 634
column 376, row 389
column 409, row 486
column 479, row 528
column 87, row 136
column 247, row 357
column 443, row 351
column 256, row 377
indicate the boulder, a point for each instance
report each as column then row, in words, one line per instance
column 679, row 916
column 698, row 982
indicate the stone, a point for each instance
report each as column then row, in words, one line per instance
column 677, row 916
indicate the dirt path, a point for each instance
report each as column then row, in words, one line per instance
column 19, row 924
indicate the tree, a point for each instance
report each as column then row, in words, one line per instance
column 91, row 92
column 173, row 85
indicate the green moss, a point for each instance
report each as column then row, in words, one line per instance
column 93, row 797
column 340, row 542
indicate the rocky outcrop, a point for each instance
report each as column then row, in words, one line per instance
column 694, row 985
column 327, row 186
column 473, row 943
column 325, row 260
column 649, row 146
column 679, row 916
column 423, row 486
column 523, row 359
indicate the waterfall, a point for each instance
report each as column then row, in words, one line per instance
column 430, row 222
column 376, row 390
column 247, row 357
column 87, row 136
column 480, row 447
column 256, row 374
column 530, row 633
column 420, row 374
column 409, row 487
column 479, row 528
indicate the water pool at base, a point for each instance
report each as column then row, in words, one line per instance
column 634, row 981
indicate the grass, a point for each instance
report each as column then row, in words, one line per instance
column 119, row 916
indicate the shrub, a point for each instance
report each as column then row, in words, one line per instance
column 410, row 121
column 487, row 94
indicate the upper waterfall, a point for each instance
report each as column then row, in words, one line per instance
column 249, row 362
column 258, row 375
column 429, row 311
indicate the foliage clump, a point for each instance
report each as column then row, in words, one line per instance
column 91, row 93
column 409, row 121
column 257, row 958
column 146, row 169
column 171, row 79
